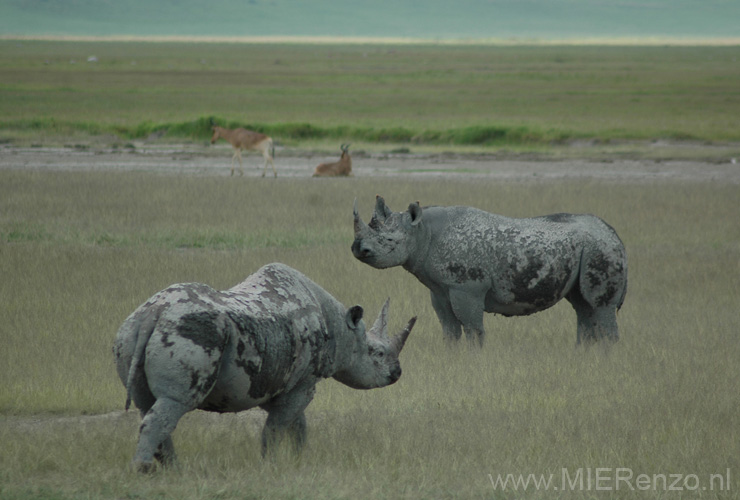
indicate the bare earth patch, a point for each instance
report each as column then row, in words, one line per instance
column 120, row 419
column 215, row 161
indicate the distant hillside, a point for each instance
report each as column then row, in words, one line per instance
column 521, row 19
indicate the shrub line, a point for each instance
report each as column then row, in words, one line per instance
column 478, row 135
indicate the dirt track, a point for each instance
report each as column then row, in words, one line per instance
column 197, row 160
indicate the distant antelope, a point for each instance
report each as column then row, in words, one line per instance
column 343, row 167
column 241, row 138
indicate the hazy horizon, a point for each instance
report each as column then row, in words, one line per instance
column 433, row 19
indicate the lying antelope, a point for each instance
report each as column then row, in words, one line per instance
column 343, row 167
column 241, row 138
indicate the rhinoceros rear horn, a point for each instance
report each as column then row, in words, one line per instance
column 380, row 327
column 400, row 339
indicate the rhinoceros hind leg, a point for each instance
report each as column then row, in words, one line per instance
column 297, row 431
column 154, row 434
column 166, row 452
column 594, row 323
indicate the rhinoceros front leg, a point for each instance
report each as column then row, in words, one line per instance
column 451, row 326
column 155, row 439
column 468, row 308
column 285, row 416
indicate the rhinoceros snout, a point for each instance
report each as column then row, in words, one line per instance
column 395, row 374
column 360, row 251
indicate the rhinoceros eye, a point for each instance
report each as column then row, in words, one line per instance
column 375, row 353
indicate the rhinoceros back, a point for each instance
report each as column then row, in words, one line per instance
column 280, row 337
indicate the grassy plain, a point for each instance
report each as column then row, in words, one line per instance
column 79, row 251
column 486, row 96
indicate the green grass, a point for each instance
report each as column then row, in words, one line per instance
column 487, row 96
column 79, row 251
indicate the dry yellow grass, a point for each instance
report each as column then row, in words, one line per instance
column 82, row 250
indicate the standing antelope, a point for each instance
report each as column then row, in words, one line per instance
column 343, row 167
column 241, row 138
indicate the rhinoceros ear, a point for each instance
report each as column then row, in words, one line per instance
column 353, row 317
column 415, row 212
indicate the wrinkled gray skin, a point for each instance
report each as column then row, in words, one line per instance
column 474, row 262
column 265, row 342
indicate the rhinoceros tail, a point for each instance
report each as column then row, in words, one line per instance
column 143, row 332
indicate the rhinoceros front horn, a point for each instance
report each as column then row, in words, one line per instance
column 400, row 339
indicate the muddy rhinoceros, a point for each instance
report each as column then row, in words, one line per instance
column 474, row 261
column 265, row 342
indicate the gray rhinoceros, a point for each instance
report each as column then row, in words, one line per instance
column 265, row 342
column 474, row 261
